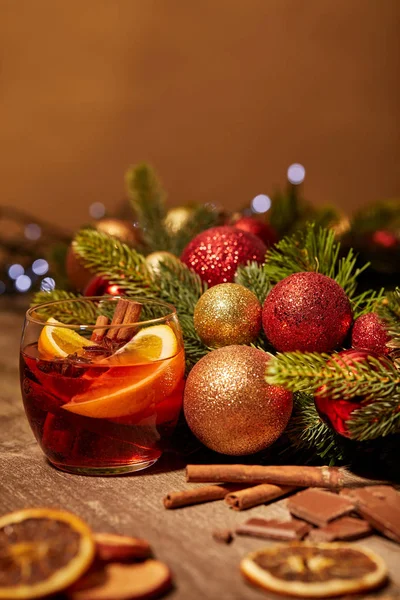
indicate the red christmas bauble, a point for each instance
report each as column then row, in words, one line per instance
column 369, row 332
column 98, row 286
column 264, row 231
column 335, row 412
column 216, row 253
column 308, row 312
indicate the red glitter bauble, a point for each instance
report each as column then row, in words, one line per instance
column 264, row 231
column 369, row 332
column 216, row 253
column 98, row 286
column 308, row 312
column 335, row 412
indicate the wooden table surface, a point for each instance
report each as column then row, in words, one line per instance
column 132, row 504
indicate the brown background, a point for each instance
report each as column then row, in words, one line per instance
column 220, row 95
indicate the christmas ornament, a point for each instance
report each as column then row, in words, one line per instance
column 229, row 406
column 308, row 312
column 124, row 231
column 177, row 218
column 227, row 314
column 154, row 260
column 264, row 231
column 216, row 253
column 98, row 286
column 78, row 275
column 335, row 412
column 369, row 332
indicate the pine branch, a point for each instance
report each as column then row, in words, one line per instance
column 71, row 313
column 389, row 311
column 309, row 434
column 148, row 203
column 313, row 249
column 253, row 277
column 307, row 372
column 366, row 302
column 203, row 217
column 378, row 419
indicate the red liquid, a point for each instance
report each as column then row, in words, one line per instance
column 101, row 416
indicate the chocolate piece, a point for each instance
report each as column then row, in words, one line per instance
column 382, row 514
column 319, row 507
column 274, row 530
column 345, row 528
column 223, row 536
column 383, row 492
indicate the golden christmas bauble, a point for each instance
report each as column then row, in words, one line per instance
column 178, row 217
column 229, row 406
column 227, row 314
column 154, row 260
column 124, row 231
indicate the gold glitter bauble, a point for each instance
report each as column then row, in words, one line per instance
column 227, row 314
column 177, row 218
column 124, row 231
column 154, row 259
column 229, row 406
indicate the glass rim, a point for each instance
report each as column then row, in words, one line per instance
column 142, row 299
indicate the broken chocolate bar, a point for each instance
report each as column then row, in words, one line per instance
column 319, row 507
column 345, row 528
column 274, row 530
column 381, row 513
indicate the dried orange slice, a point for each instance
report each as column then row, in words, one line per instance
column 60, row 341
column 42, row 551
column 315, row 570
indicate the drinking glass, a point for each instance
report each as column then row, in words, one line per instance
column 102, row 400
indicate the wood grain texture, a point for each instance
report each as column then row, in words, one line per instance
column 132, row 505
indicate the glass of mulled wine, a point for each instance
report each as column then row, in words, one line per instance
column 102, row 381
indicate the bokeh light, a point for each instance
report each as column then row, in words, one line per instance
column 296, row 173
column 47, row 284
column 40, row 266
column 23, row 283
column 97, row 210
column 15, row 271
column 33, row 231
column 261, row 203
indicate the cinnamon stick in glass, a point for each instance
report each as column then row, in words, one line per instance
column 132, row 314
column 298, row 476
column 256, row 495
column 205, row 493
column 101, row 328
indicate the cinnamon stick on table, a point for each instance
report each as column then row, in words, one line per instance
column 205, row 493
column 256, row 495
column 299, row 476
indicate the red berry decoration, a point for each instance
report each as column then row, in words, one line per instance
column 98, row 286
column 369, row 332
column 216, row 253
column 335, row 412
column 264, row 231
column 308, row 312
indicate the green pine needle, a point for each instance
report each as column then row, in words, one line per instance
column 70, row 313
column 379, row 418
column 389, row 311
column 148, row 203
column 253, row 277
column 366, row 302
column 313, row 249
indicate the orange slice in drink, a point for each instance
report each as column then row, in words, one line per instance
column 110, row 397
column 149, row 344
column 60, row 341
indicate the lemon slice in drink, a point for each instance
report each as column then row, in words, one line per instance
column 152, row 343
column 60, row 341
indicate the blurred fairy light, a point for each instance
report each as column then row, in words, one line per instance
column 40, row 266
column 2, row 287
column 47, row 284
column 23, row 283
column 261, row 203
column 97, row 210
column 296, row 173
column 16, row 271
column 33, row 231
